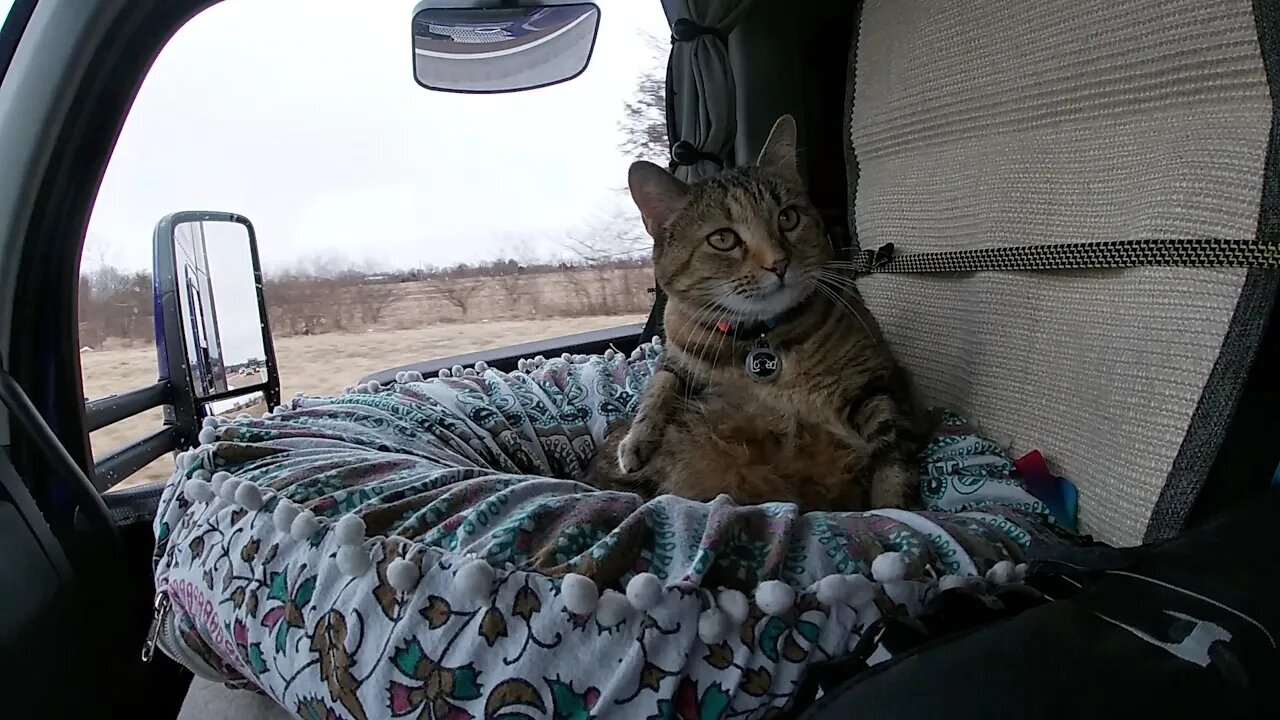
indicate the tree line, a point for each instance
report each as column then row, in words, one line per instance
column 118, row 304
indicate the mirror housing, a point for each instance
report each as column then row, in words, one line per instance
column 212, row 333
column 488, row 46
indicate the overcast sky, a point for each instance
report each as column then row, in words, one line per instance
column 304, row 116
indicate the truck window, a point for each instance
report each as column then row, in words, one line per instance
column 394, row 224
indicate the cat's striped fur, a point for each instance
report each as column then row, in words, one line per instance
column 839, row 427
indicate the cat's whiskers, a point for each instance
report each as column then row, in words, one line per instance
column 700, row 370
column 690, row 320
column 834, row 294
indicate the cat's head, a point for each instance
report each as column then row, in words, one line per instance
column 747, row 240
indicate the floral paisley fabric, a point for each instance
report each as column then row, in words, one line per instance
column 484, row 464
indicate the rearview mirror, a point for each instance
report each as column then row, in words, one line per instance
column 507, row 49
column 215, row 340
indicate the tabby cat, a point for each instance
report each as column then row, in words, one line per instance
column 776, row 383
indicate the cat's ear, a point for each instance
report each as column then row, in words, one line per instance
column 779, row 152
column 657, row 193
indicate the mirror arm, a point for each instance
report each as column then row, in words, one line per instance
column 112, row 409
column 125, row 461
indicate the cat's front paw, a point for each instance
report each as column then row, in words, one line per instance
column 633, row 452
column 893, row 486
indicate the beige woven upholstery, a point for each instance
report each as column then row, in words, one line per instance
column 978, row 123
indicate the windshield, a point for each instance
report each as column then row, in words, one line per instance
column 395, row 224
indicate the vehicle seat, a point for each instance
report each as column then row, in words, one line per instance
column 1000, row 123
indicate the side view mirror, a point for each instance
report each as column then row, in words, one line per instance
column 212, row 333
column 468, row 46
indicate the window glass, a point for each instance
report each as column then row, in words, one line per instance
column 394, row 224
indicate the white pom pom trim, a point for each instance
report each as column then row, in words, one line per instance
column 612, row 608
column 249, row 496
column 350, row 530
column 197, row 491
column 734, row 604
column 889, row 566
column 579, row 593
column 482, row 367
column 218, row 479
column 456, row 370
column 444, row 373
column 775, row 597
column 284, row 514
column 229, row 489
column 714, row 626
column 644, row 592
column 304, row 526
column 475, row 580
column 403, row 575
column 207, row 436
column 375, row 386
column 1020, row 572
column 211, row 422
column 860, row 590
column 1001, row 573
column 353, row 560
column 834, row 590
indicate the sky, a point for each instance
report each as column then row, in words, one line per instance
column 303, row 115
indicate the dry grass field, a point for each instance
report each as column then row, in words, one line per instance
column 318, row 364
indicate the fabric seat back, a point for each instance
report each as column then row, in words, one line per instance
column 996, row 123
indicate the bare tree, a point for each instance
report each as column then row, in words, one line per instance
column 514, row 289
column 644, row 117
column 372, row 300
column 457, row 292
column 615, row 233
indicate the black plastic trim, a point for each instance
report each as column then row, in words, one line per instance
column 1246, row 460
column 25, row 416
column 11, row 29
column 14, row 491
column 112, row 409
column 623, row 338
column 125, row 461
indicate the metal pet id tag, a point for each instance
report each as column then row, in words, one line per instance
column 763, row 364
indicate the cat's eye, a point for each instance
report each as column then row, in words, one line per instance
column 724, row 240
column 788, row 219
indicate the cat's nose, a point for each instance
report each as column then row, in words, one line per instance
column 778, row 267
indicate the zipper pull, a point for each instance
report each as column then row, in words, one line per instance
column 157, row 621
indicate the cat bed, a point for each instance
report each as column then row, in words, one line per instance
column 421, row 550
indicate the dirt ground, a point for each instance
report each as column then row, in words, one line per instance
column 316, row 365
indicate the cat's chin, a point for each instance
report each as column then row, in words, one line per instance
column 768, row 306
